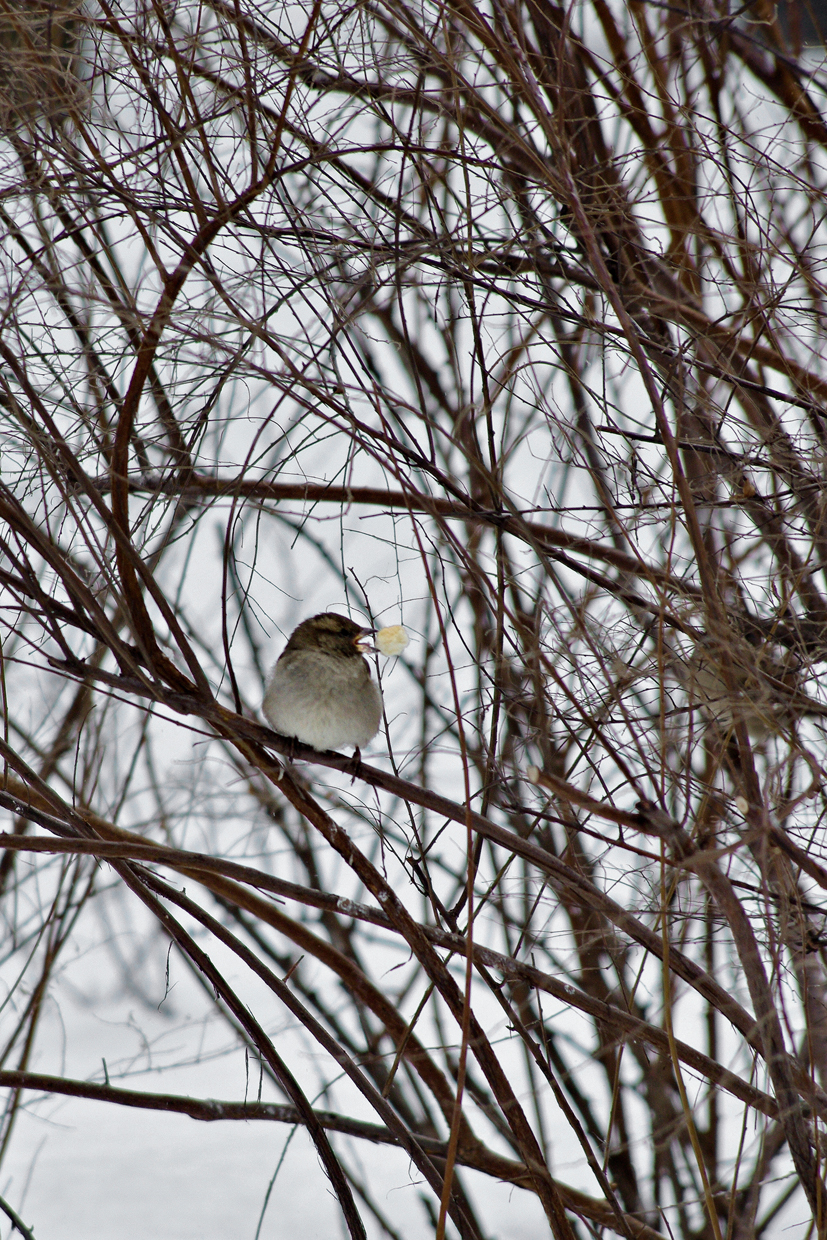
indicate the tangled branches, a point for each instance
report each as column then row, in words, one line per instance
column 505, row 321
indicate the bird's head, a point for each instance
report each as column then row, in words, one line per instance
column 331, row 633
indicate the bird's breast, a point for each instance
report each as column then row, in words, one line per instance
column 323, row 701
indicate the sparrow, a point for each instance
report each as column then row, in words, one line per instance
column 321, row 691
column 757, row 688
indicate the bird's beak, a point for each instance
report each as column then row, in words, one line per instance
column 361, row 642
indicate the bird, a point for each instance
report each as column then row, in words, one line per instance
column 732, row 680
column 320, row 691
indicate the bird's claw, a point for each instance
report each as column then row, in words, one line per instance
column 354, row 763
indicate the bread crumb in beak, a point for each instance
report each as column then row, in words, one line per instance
column 361, row 642
column 392, row 640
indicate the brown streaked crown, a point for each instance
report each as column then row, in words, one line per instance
column 330, row 632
